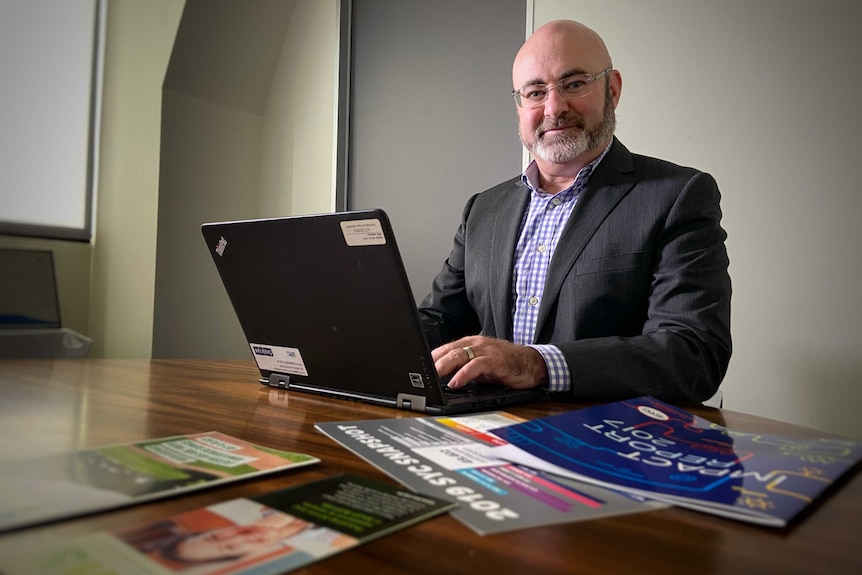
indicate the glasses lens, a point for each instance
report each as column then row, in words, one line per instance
column 533, row 96
column 576, row 86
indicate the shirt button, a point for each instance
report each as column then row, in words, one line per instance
column 542, row 248
column 534, row 300
column 556, row 201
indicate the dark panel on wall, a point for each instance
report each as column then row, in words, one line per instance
column 432, row 119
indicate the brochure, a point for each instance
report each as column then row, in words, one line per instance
column 445, row 457
column 651, row 449
column 263, row 535
column 53, row 487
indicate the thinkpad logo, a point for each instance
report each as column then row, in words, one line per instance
column 220, row 247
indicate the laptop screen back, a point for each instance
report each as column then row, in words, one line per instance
column 325, row 300
column 28, row 290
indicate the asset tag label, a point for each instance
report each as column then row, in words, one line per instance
column 363, row 233
column 278, row 359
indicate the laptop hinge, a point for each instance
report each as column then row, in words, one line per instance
column 278, row 380
column 412, row 402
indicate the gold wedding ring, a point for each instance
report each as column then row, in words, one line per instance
column 470, row 355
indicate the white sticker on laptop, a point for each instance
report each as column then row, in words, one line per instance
column 363, row 233
column 278, row 359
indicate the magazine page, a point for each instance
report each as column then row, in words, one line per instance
column 446, row 457
column 53, row 487
column 659, row 451
column 264, row 535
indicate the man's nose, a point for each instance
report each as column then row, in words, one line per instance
column 556, row 104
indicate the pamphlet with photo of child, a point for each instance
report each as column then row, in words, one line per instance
column 267, row 534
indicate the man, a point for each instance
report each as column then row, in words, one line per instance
column 598, row 273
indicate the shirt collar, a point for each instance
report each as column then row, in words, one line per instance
column 530, row 177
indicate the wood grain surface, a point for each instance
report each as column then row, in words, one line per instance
column 54, row 406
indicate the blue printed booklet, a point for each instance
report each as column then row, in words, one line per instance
column 651, row 449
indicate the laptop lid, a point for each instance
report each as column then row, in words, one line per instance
column 326, row 307
column 28, row 290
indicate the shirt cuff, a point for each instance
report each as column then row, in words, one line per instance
column 559, row 377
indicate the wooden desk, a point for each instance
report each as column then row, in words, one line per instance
column 49, row 407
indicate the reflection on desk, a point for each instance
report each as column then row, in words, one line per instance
column 55, row 406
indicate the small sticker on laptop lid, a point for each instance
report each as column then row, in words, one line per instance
column 278, row 359
column 363, row 233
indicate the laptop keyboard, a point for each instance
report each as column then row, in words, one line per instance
column 472, row 389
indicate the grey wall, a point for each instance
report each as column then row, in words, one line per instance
column 432, row 119
column 765, row 96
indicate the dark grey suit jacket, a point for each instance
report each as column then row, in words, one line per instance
column 637, row 295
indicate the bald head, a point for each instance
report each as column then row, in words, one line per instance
column 573, row 91
column 560, row 40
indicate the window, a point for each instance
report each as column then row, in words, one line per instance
column 50, row 62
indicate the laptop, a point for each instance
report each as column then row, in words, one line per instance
column 326, row 307
column 28, row 290
column 30, row 321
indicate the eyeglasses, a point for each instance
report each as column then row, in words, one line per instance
column 570, row 87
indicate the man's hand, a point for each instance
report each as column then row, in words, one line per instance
column 486, row 359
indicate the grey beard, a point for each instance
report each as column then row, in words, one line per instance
column 566, row 148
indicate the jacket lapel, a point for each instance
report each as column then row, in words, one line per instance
column 612, row 180
column 502, row 256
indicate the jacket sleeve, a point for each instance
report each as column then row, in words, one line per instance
column 446, row 313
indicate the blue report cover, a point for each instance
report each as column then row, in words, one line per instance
column 651, row 449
